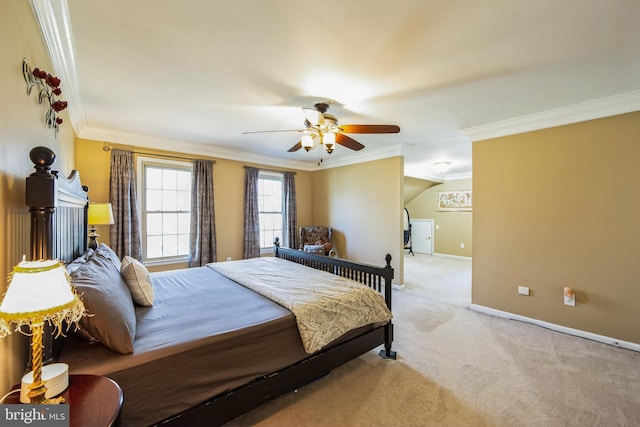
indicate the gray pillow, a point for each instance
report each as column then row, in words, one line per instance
column 112, row 318
column 77, row 263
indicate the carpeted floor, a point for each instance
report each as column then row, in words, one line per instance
column 457, row 367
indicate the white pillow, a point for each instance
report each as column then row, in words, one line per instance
column 314, row 249
column 137, row 278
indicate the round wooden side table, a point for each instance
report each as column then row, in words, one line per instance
column 94, row 401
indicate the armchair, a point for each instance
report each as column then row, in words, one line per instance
column 317, row 239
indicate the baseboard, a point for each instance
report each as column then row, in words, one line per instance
column 558, row 328
column 398, row 287
column 453, row 256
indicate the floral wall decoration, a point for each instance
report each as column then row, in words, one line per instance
column 455, row 200
column 49, row 94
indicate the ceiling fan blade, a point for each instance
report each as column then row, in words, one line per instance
column 295, row 147
column 370, row 128
column 348, row 142
column 314, row 116
column 269, row 131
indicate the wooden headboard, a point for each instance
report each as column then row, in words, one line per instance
column 58, row 207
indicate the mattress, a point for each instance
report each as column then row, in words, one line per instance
column 204, row 335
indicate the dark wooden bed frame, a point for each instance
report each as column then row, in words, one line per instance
column 58, row 207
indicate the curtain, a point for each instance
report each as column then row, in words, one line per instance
column 251, row 246
column 203, row 228
column 125, row 232
column 290, row 210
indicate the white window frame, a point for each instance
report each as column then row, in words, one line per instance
column 141, row 162
column 274, row 176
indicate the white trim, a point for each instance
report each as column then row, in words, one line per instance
column 141, row 162
column 397, row 287
column 595, row 109
column 558, row 328
column 362, row 156
column 55, row 28
column 453, row 256
column 158, row 143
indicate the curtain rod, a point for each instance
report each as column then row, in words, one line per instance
column 107, row 148
column 268, row 170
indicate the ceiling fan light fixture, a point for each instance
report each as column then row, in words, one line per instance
column 307, row 142
column 329, row 140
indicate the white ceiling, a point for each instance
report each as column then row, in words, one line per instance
column 194, row 75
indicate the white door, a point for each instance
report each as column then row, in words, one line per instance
column 422, row 236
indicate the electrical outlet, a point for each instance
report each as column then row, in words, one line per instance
column 523, row 290
column 461, row 245
column 228, row 258
column 569, row 297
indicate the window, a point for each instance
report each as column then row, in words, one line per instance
column 270, row 208
column 165, row 209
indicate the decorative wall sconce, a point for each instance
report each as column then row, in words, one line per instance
column 49, row 94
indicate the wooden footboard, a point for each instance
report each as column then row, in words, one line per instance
column 378, row 278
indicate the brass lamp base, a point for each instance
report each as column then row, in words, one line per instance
column 37, row 395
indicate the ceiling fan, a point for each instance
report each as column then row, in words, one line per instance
column 323, row 128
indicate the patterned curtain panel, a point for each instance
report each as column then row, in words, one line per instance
column 291, row 209
column 125, row 232
column 203, row 219
column 251, row 247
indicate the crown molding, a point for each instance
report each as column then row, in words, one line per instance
column 157, row 143
column 55, row 28
column 595, row 109
column 361, row 157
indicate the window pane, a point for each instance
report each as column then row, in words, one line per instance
column 169, row 179
column 169, row 223
column 183, row 244
column 170, row 245
column 154, row 200
column 154, row 177
column 154, row 224
column 154, row 246
column 184, row 223
column 169, row 201
column 184, row 181
column 184, row 201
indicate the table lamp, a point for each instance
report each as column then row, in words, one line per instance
column 39, row 291
column 99, row 214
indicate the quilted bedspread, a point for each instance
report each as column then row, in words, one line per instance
column 325, row 306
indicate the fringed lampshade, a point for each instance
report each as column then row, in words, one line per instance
column 39, row 291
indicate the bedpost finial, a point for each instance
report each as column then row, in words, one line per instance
column 277, row 241
column 387, row 258
column 42, row 158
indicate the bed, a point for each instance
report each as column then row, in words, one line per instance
column 210, row 347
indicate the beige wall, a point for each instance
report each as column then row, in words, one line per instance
column 228, row 177
column 21, row 129
column 363, row 204
column 454, row 227
column 377, row 187
column 561, row 207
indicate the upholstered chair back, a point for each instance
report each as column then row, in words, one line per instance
column 316, row 239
